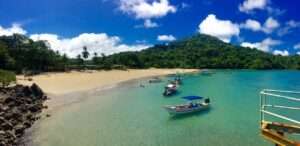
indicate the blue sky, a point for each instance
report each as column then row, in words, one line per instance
column 110, row 26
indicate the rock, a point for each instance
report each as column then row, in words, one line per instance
column 6, row 126
column 27, row 91
column 19, row 130
column 9, row 100
column 34, row 108
column 27, row 124
column 37, row 91
column 2, row 143
column 48, row 115
column 19, row 108
column 2, row 120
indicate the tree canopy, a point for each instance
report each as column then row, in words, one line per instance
column 19, row 53
column 203, row 51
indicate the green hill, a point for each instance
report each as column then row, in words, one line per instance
column 19, row 53
column 203, row 51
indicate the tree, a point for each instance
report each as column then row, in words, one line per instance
column 85, row 53
column 65, row 61
column 95, row 58
column 79, row 60
column 6, row 78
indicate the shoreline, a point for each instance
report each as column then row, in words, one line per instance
column 71, row 87
column 63, row 100
column 74, row 81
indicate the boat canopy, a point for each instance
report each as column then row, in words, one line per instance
column 192, row 97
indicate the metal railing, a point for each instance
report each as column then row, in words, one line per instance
column 267, row 94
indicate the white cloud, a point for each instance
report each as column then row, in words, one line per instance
column 249, row 5
column 143, row 9
column 298, row 53
column 252, row 25
column 222, row 29
column 184, row 5
column 270, row 25
column 297, row 46
column 288, row 27
column 149, row 24
column 275, row 11
column 281, row 52
column 15, row 28
column 166, row 38
column 265, row 45
column 95, row 42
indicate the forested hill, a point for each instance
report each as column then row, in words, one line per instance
column 19, row 53
column 203, row 51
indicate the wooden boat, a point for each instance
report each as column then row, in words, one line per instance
column 170, row 89
column 190, row 107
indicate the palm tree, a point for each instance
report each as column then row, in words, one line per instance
column 85, row 53
column 79, row 59
column 95, row 58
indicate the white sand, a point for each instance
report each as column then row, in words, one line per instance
column 63, row 83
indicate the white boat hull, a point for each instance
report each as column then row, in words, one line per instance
column 175, row 111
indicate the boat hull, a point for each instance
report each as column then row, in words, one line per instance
column 173, row 111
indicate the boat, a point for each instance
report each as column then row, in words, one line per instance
column 193, row 106
column 170, row 89
column 207, row 72
column 155, row 80
column 178, row 80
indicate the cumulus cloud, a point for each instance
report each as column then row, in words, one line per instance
column 281, row 52
column 252, row 25
column 143, row 9
column 249, row 5
column 149, row 24
column 298, row 53
column 297, row 46
column 266, row 45
column 166, row 38
column 15, row 28
column 268, row 27
column 222, row 29
column 95, row 42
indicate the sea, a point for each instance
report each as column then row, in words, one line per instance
column 132, row 113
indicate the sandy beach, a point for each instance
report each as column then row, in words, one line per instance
column 74, row 81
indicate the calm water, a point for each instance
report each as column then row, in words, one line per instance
column 133, row 116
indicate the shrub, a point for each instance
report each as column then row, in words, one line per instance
column 7, row 77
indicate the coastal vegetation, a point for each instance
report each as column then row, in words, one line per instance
column 23, row 55
column 7, row 77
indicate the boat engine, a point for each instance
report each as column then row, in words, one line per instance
column 207, row 100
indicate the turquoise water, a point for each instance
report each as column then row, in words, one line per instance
column 133, row 116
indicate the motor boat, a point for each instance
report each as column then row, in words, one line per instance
column 194, row 105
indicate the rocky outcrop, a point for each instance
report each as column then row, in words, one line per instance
column 19, row 109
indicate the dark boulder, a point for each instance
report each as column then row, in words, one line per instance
column 19, row 108
column 37, row 91
column 6, row 126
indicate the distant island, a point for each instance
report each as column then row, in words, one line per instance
column 19, row 53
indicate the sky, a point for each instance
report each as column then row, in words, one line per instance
column 111, row 26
